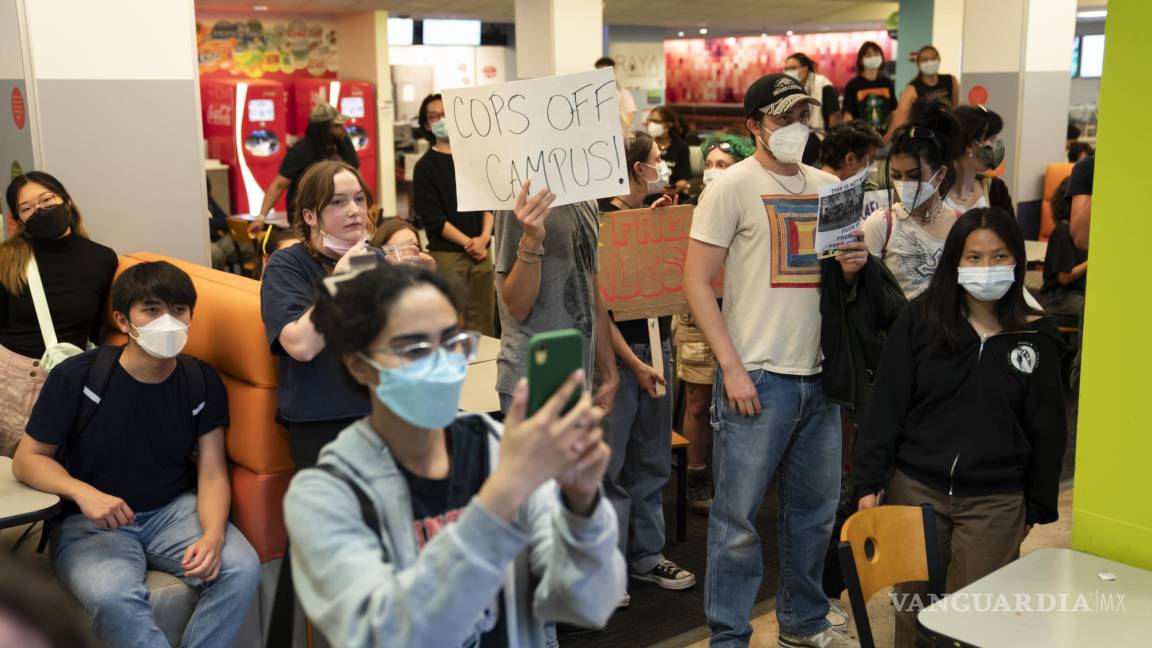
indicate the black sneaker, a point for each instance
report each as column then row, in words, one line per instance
column 699, row 491
column 667, row 575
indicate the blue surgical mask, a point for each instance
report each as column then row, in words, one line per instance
column 425, row 392
column 440, row 129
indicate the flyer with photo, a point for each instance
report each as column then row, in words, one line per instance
column 839, row 214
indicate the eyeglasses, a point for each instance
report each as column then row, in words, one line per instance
column 464, row 343
column 43, row 202
column 434, row 117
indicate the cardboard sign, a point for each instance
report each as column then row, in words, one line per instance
column 557, row 132
column 642, row 254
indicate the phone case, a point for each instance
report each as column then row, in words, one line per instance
column 552, row 357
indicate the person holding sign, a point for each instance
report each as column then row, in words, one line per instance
column 458, row 240
column 639, row 430
column 758, row 221
column 909, row 236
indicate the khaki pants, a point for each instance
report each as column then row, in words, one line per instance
column 22, row 380
column 479, row 279
column 976, row 536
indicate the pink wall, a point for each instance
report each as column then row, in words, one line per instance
column 719, row 70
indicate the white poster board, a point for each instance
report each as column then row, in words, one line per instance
column 558, row 132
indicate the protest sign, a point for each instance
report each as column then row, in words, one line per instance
column 642, row 255
column 838, row 214
column 558, row 132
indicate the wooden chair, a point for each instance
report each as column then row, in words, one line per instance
column 239, row 231
column 883, row 546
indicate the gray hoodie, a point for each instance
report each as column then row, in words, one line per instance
column 551, row 564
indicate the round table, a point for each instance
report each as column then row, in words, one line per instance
column 20, row 503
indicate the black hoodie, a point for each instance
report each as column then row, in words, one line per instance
column 984, row 420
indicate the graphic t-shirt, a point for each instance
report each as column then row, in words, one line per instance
column 911, row 253
column 567, row 297
column 771, row 275
column 436, row 503
column 873, row 101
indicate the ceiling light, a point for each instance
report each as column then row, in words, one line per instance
column 260, row 7
column 790, row 32
column 1096, row 13
column 764, row 35
column 680, row 34
column 703, row 31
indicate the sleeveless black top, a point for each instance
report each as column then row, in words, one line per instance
column 942, row 89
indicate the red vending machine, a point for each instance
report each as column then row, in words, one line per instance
column 245, row 123
column 354, row 99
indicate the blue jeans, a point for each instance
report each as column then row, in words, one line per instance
column 797, row 433
column 639, row 432
column 105, row 569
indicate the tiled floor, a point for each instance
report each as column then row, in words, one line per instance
column 765, row 629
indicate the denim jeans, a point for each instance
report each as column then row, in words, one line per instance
column 639, row 432
column 797, row 434
column 105, row 569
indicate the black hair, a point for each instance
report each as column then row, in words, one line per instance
column 977, row 123
column 152, row 280
column 1061, row 208
column 422, row 117
column 868, row 46
column 637, row 150
column 1073, row 131
column 46, row 180
column 804, row 60
column 318, row 136
column 1079, row 148
column 925, row 49
column 945, row 309
column 36, row 601
column 605, row 61
column 857, row 136
column 931, row 136
column 352, row 319
column 672, row 122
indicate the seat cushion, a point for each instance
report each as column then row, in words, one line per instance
column 258, row 510
column 172, row 603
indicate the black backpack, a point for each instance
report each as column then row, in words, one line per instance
column 96, row 384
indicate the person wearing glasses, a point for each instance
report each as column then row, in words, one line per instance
column 909, row 236
column 76, row 273
column 315, row 399
column 423, row 527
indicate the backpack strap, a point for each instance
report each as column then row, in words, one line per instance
column 367, row 509
column 887, row 230
column 96, row 384
column 197, row 393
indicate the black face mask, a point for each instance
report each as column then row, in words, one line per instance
column 49, row 222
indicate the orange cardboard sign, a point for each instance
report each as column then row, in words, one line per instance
column 642, row 254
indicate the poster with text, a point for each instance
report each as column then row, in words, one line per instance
column 839, row 213
column 559, row 132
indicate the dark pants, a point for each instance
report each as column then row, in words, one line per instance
column 305, row 439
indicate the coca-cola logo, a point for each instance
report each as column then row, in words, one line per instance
column 219, row 115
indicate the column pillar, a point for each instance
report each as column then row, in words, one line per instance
column 363, row 55
column 1113, row 514
column 558, row 36
column 1018, row 62
column 117, row 120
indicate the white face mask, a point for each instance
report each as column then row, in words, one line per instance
column 795, row 74
column 787, row 143
column 663, row 174
column 162, row 338
column 655, row 130
column 710, row 175
column 987, row 283
column 929, row 68
column 872, row 62
column 913, row 193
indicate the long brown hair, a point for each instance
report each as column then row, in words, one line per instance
column 16, row 251
column 389, row 228
column 314, row 193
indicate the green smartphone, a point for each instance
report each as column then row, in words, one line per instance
column 552, row 357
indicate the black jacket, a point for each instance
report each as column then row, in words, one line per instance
column 989, row 419
column 854, row 325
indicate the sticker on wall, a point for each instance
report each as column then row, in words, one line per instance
column 16, row 169
column 19, row 115
column 978, row 95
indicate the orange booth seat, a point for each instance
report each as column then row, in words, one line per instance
column 227, row 332
column 1052, row 179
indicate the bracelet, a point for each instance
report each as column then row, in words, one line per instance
column 536, row 253
column 528, row 259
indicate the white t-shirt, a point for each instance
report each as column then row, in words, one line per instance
column 952, row 205
column 627, row 103
column 771, row 273
column 911, row 253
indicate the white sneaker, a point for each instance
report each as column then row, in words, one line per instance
column 830, row 638
column 837, row 616
column 625, row 601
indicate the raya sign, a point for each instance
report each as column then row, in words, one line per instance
column 642, row 255
column 557, row 132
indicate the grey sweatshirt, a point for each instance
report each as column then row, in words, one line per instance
column 552, row 565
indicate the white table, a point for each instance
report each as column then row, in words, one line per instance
column 21, row 504
column 1036, row 250
column 1070, row 605
column 479, row 395
column 488, row 349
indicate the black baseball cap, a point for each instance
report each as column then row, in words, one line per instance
column 774, row 94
